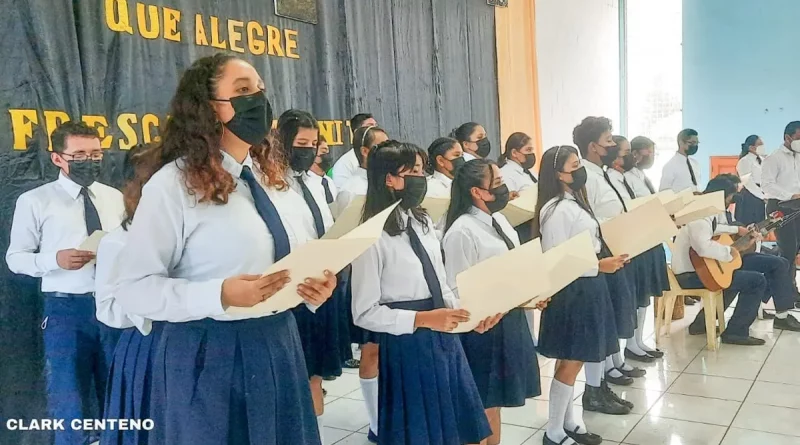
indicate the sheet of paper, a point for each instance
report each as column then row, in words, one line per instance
column 311, row 259
column 687, row 195
column 436, row 207
column 348, row 220
column 501, row 283
column 91, row 243
column 639, row 230
column 522, row 209
column 565, row 263
column 702, row 206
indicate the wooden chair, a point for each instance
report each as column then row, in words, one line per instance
column 712, row 304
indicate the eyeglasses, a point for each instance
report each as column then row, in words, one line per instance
column 83, row 157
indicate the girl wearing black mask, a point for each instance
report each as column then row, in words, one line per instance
column 578, row 325
column 445, row 157
column 518, row 161
column 473, row 139
column 503, row 360
column 427, row 393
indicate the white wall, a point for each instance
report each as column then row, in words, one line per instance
column 577, row 48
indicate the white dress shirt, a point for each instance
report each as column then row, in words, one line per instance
column 344, row 168
column 676, row 176
column 109, row 311
column 473, row 239
column 327, row 179
column 565, row 219
column 780, row 174
column 618, row 181
column 179, row 251
column 314, row 183
column 439, row 185
column 355, row 186
column 469, row 156
column 515, row 177
column 698, row 236
column 750, row 165
column 389, row 272
column 51, row 218
column 636, row 179
column 602, row 198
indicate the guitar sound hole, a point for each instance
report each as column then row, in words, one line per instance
column 719, row 266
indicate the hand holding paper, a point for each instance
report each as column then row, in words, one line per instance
column 90, row 244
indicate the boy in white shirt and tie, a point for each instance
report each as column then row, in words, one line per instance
column 682, row 172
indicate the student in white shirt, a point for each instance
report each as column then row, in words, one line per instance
column 643, row 153
column 366, row 138
column 503, row 360
column 578, row 324
column 445, row 157
column 517, row 161
column 347, row 165
column 318, row 171
column 682, row 171
column 473, row 139
column 751, row 206
column 212, row 219
column 427, row 393
column 50, row 223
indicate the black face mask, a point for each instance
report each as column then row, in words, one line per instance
column 302, row 158
column 484, row 147
column 692, row 150
column 501, row 197
column 84, row 173
column 628, row 162
column 252, row 119
column 457, row 163
column 578, row 179
column 646, row 163
column 414, row 191
column 530, row 161
column 612, row 152
column 326, row 161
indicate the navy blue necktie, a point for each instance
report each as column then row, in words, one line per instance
column 530, row 175
column 427, row 267
column 90, row 213
column 503, row 236
column 691, row 171
column 266, row 209
column 628, row 188
column 616, row 192
column 328, row 194
column 319, row 226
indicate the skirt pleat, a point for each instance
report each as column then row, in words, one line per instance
column 358, row 335
column 622, row 290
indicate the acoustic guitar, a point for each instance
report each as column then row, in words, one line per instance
column 717, row 275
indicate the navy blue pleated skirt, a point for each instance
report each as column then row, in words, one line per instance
column 427, row 393
column 652, row 278
column 358, row 335
column 622, row 290
column 232, row 382
column 578, row 323
column 503, row 362
column 750, row 209
column 129, row 383
column 325, row 335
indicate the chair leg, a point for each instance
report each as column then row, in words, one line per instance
column 711, row 326
column 669, row 307
column 720, row 311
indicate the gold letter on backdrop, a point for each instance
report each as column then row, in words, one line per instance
column 52, row 119
column 22, row 122
column 199, row 31
column 120, row 21
column 148, row 122
column 274, row 41
column 124, row 123
column 235, row 35
column 171, row 19
column 152, row 11
column 291, row 44
column 256, row 44
column 99, row 123
column 215, row 41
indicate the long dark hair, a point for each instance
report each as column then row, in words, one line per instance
column 289, row 124
column 747, row 143
column 140, row 160
column 515, row 142
column 439, row 147
column 390, row 157
column 464, row 131
column 193, row 133
column 550, row 186
column 365, row 137
column 471, row 174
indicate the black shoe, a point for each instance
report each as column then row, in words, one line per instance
column 546, row 440
column 586, row 438
column 596, row 399
column 767, row 315
column 786, row 324
column 633, row 373
column 372, row 437
column 622, row 380
column 329, row 378
column 693, row 330
column 352, row 364
column 613, row 396
column 657, row 353
column 688, row 301
column 647, row 358
column 324, row 392
column 742, row 340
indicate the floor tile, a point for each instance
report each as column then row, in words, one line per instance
column 612, row 428
column 355, row 439
column 654, row 380
column 660, row 431
column 781, row 370
column 737, row 436
column 334, row 435
column 346, row 414
column 329, row 399
column 355, row 395
column 344, row 384
column 532, row 415
column 515, row 435
column 769, row 419
column 695, row 409
column 711, row 386
column 775, row 394
column 708, row 363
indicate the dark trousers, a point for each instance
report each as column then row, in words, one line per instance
column 78, row 351
column 788, row 239
column 778, row 273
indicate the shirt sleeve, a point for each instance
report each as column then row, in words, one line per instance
column 108, row 311
column 666, row 179
column 461, row 253
column 770, row 169
column 143, row 285
column 23, row 256
column 744, row 167
column 700, row 239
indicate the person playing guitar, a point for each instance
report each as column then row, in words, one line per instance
column 760, row 276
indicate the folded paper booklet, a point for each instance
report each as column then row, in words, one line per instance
column 311, row 259
column 566, row 263
column 348, row 220
column 436, row 207
column 671, row 201
column 501, row 283
column 522, row 209
column 687, row 195
column 91, row 243
column 639, row 230
column 702, row 206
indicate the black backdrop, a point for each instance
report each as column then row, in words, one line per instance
column 421, row 66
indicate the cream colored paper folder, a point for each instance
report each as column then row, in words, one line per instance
column 348, row 220
column 91, row 243
column 436, row 207
column 639, row 230
column 312, row 258
column 672, row 202
column 522, row 209
column 702, row 206
column 566, row 263
column 501, row 283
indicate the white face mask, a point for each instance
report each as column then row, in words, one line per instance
column 796, row 146
column 761, row 150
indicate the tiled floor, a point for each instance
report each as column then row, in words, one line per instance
column 734, row 396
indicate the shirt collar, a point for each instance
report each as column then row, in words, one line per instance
column 73, row 189
column 234, row 168
column 591, row 166
column 481, row 215
column 512, row 164
column 681, row 155
column 439, row 176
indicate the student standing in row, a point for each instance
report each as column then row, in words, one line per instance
column 751, row 207
column 50, row 223
column 516, row 163
column 473, row 138
column 347, row 165
column 578, row 325
column 643, row 153
column 365, row 138
column 318, row 171
column 210, row 221
column 445, row 157
column 682, row 171
column 427, row 393
column 503, row 360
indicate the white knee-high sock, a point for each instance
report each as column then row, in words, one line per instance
column 641, row 316
column 619, row 359
column 319, row 426
column 594, row 373
column 610, row 363
column 560, row 402
column 572, row 420
column 369, row 389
